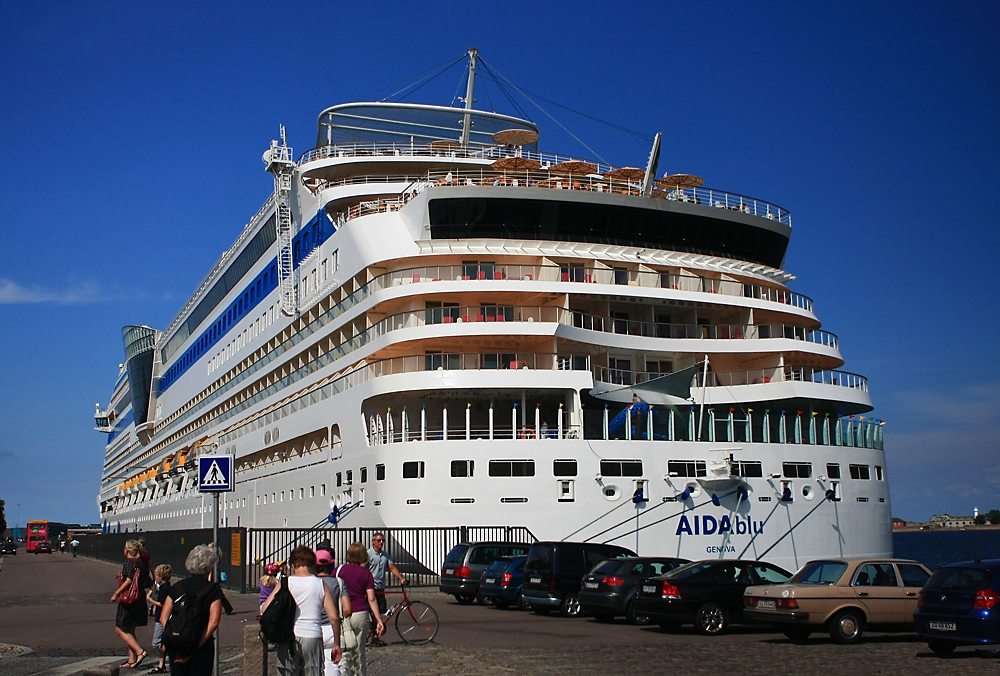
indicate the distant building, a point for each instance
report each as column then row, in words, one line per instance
column 898, row 523
column 948, row 521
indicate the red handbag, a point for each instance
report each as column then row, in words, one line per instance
column 132, row 593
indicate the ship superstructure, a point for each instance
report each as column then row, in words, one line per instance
column 432, row 321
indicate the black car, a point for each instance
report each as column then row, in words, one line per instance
column 958, row 606
column 708, row 594
column 463, row 567
column 8, row 547
column 608, row 591
column 553, row 571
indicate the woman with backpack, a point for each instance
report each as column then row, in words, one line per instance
column 190, row 616
column 131, row 611
column 303, row 654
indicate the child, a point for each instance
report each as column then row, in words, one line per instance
column 268, row 582
column 162, row 574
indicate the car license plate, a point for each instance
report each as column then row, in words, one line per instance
column 535, row 580
column 449, row 571
column 591, row 585
column 649, row 589
column 761, row 603
column 943, row 626
column 490, row 580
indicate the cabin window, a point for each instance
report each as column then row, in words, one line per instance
column 686, row 468
column 364, row 475
column 462, row 468
column 861, row 472
column 796, row 470
column 512, row 468
column 833, row 470
column 749, row 468
column 621, row 467
column 564, row 468
column 379, row 472
column 413, row 470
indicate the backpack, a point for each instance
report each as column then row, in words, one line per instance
column 187, row 622
column 278, row 621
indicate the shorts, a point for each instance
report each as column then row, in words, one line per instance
column 157, row 635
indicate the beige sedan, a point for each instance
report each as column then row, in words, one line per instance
column 841, row 596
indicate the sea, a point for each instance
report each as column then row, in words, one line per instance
column 937, row 547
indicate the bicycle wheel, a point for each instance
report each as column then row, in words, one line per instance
column 417, row 624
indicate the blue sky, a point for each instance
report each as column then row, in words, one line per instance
column 134, row 136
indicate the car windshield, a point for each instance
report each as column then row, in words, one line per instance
column 456, row 556
column 607, row 568
column 820, row 572
column 499, row 565
column 960, row 579
column 689, row 570
column 540, row 557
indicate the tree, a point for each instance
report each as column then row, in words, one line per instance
column 993, row 516
column 980, row 520
column 3, row 517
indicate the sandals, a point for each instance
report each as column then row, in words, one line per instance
column 157, row 670
column 127, row 665
column 138, row 660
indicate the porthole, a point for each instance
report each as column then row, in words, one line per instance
column 267, row 437
column 612, row 492
column 274, row 435
column 808, row 493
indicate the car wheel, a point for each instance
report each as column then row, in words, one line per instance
column 483, row 601
column 570, row 606
column 604, row 617
column 631, row 617
column 465, row 599
column 710, row 619
column 796, row 634
column 846, row 627
column 941, row 647
column 502, row 604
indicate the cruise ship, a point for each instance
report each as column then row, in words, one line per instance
column 434, row 322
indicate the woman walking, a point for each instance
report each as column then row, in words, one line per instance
column 133, row 614
column 200, row 563
column 361, row 587
column 303, row 655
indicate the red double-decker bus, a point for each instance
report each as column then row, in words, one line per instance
column 38, row 531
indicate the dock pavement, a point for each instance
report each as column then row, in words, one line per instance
column 56, row 619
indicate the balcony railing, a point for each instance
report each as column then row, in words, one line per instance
column 776, row 374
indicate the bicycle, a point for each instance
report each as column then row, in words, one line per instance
column 418, row 625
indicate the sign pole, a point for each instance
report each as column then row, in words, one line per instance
column 215, row 575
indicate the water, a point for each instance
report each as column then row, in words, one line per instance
column 934, row 548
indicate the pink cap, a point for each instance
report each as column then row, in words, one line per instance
column 324, row 557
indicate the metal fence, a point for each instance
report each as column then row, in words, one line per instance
column 172, row 547
column 418, row 552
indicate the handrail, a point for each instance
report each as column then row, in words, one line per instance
column 763, row 376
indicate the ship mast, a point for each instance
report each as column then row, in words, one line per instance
column 467, row 118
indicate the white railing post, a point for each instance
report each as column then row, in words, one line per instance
column 628, row 422
column 538, row 421
column 468, row 421
column 649, row 423
column 406, row 426
column 423, row 423
column 491, row 421
column 560, row 421
column 605, row 422
column 444, row 423
column 513, row 422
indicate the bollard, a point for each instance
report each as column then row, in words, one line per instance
column 254, row 651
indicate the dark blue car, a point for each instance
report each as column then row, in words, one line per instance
column 960, row 605
column 502, row 582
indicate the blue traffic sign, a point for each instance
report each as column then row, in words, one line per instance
column 215, row 473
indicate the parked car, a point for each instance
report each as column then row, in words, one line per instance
column 502, row 582
column 707, row 594
column 553, row 571
column 842, row 597
column 463, row 567
column 8, row 547
column 43, row 548
column 959, row 606
column 608, row 591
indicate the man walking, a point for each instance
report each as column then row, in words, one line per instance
column 379, row 564
column 75, row 543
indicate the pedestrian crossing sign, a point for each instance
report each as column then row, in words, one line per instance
column 215, row 473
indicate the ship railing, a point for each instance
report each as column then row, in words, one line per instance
column 596, row 182
column 782, row 374
column 644, row 329
column 413, row 150
column 317, row 185
column 483, row 271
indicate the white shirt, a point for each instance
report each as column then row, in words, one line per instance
column 309, row 593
